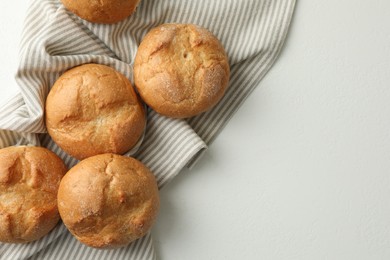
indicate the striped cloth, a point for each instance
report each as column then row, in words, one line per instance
column 54, row 40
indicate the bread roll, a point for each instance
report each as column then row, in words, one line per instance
column 29, row 180
column 181, row 70
column 108, row 200
column 93, row 109
column 101, row 11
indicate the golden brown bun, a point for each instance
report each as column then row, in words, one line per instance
column 108, row 200
column 29, row 180
column 181, row 70
column 101, row 11
column 93, row 109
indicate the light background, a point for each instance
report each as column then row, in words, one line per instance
column 302, row 171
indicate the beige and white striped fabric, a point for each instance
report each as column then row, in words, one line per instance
column 252, row 31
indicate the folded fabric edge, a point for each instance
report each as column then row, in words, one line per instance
column 190, row 153
column 196, row 158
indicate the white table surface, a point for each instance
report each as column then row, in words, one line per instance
column 302, row 171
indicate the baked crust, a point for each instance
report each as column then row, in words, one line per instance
column 108, row 200
column 93, row 109
column 29, row 180
column 181, row 70
column 102, row 11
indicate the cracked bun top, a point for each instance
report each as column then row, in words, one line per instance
column 29, row 180
column 93, row 109
column 108, row 200
column 181, row 70
column 101, row 11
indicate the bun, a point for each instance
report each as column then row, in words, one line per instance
column 29, row 180
column 93, row 109
column 181, row 70
column 108, row 200
column 102, row 11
